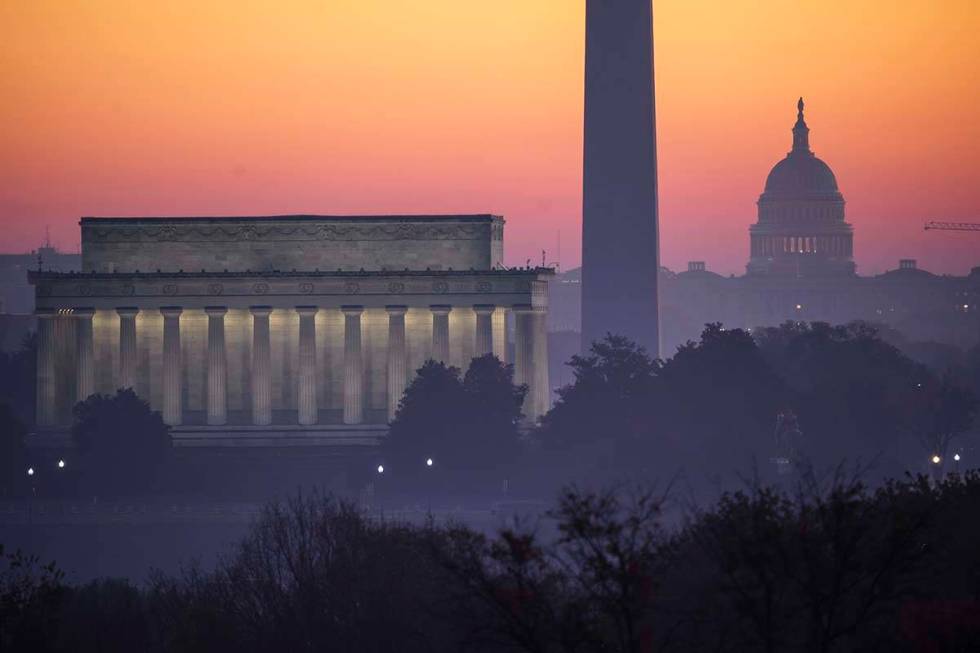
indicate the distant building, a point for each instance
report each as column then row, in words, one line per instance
column 282, row 330
column 920, row 305
column 801, row 267
column 801, row 229
column 16, row 294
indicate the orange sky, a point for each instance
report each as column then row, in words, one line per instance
column 370, row 106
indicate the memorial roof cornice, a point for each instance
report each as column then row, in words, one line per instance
column 224, row 274
column 407, row 218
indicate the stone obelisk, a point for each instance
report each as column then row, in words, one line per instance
column 620, row 232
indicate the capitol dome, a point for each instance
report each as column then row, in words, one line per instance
column 801, row 174
column 801, row 229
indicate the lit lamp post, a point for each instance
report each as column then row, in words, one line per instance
column 936, row 461
column 428, row 486
column 32, row 475
column 369, row 489
column 30, row 499
column 380, row 470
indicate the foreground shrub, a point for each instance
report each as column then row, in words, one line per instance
column 124, row 442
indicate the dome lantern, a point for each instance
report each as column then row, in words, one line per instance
column 801, row 133
column 801, row 175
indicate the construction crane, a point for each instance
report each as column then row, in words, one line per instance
column 952, row 226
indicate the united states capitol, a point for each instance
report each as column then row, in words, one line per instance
column 801, row 267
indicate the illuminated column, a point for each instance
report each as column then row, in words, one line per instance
column 84, row 354
column 523, row 353
column 484, row 329
column 440, row 332
column 397, row 358
column 353, row 366
column 172, row 400
column 307, row 406
column 531, row 359
column 500, row 348
column 217, row 366
column 46, row 386
column 127, row 346
column 261, row 367
column 540, row 386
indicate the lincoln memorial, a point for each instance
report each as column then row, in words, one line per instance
column 282, row 330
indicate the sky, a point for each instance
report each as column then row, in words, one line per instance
column 441, row 106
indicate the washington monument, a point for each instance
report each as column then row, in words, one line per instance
column 620, row 233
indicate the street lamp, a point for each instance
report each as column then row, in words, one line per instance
column 30, row 500
column 956, row 457
column 381, row 469
column 936, row 459
column 427, row 484
column 61, row 464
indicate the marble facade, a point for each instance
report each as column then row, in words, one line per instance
column 258, row 355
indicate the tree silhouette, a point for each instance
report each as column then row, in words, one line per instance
column 462, row 424
column 493, row 404
column 820, row 568
column 711, row 409
column 826, row 569
column 313, row 574
column 946, row 411
column 123, row 440
column 12, row 451
column 17, row 379
column 609, row 398
column 856, row 396
column 593, row 588
column 30, row 596
column 706, row 408
column 717, row 402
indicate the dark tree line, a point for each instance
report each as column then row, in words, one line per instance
column 710, row 409
column 120, row 447
column 713, row 407
column 707, row 411
column 821, row 568
column 18, row 380
column 17, row 388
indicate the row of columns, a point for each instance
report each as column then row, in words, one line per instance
column 839, row 245
column 530, row 359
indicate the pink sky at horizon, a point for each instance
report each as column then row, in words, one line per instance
column 399, row 106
